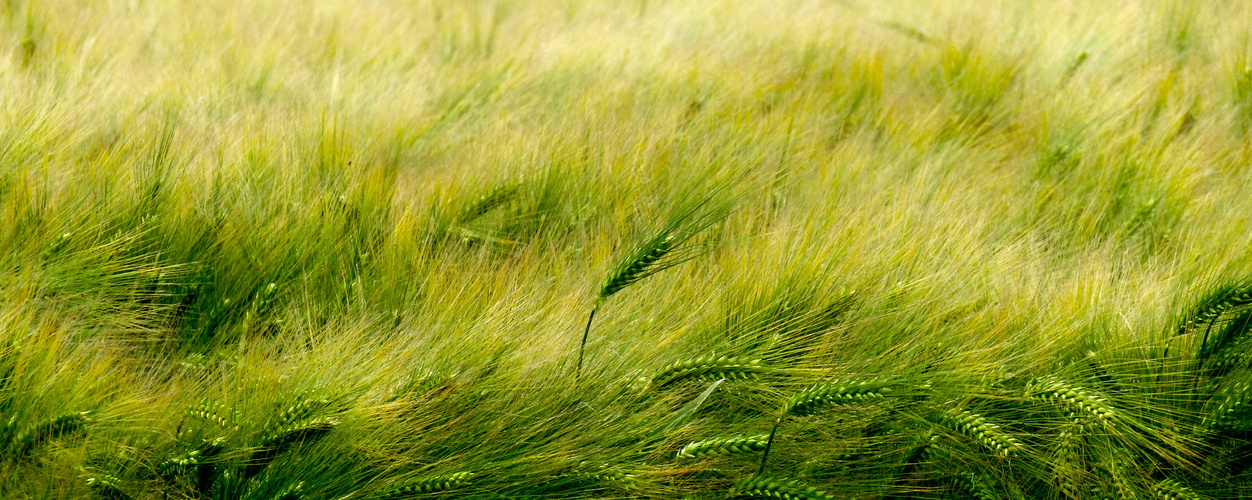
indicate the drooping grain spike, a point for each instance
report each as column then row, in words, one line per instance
column 1231, row 412
column 496, row 197
column 294, row 491
column 305, row 406
column 989, row 434
column 709, row 368
column 724, row 446
column 213, row 412
column 979, row 487
column 601, row 474
column 201, row 459
column 823, row 394
column 769, row 487
column 639, row 264
column 277, row 440
column 1170, row 489
column 1076, row 398
column 417, row 487
column 34, row 435
column 1223, row 302
column 107, row 486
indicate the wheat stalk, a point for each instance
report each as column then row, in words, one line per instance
column 302, row 408
column 8, row 430
column 724, row 446
column 419, row 383
column 1116, row 487
column 1068, row 464
column 641, row 263
column 283, row 437
column 495, row 198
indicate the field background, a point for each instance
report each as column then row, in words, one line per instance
column 332, row 249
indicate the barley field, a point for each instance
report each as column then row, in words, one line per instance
column 697, row 249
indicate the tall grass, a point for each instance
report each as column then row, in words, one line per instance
column 257, row 250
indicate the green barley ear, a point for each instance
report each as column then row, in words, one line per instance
column 34, row 435
column 724, row 446
column 283, row 437
column 202, row 460
column 977, row 486
column 820, row 395
column 709, row 368
column 1237, row 354
column 495, row 198
column 1170, row 489
column 823, row 394
column 293, row 491
column 419, row 383
column 106, row 486
column 1218, row 313
column 667, row 247
column 1229, row 346
column 417, row 487
column 1232, row 410
column 1068, row 464
column 305, row 406
column 1114, row 483
column 641, row 263
column 8, row 430
column 602, row 474
column 977, row 427
column 1074, row 398
column 498, row 196
column 215, row 413
column 768, row 487
column 276, row 440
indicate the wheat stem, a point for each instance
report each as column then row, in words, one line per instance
column 770, row 442
column 578, row 372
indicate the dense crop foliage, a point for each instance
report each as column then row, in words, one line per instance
column 695, row 249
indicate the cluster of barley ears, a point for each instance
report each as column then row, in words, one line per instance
column 222, row 460
column 290, row 207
